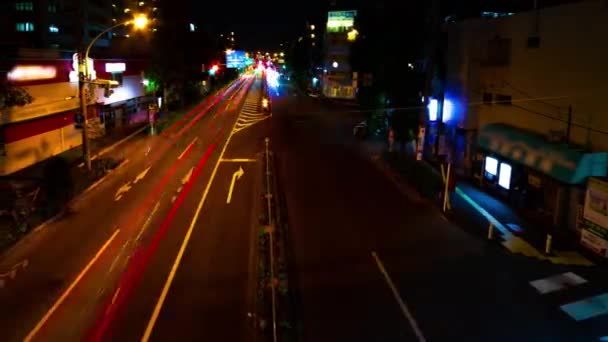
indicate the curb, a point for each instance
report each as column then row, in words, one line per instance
column 113, row 146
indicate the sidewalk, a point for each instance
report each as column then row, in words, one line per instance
column 473, row 209
column 81, row 179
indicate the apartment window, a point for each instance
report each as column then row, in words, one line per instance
column 504, row 100
column 24, row 6
column 487, row 98
column 24, row 27
column 52, row 8
column 53, row 29
column 533, row 42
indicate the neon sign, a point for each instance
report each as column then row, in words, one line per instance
column 32, row 73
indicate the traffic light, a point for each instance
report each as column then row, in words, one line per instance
column 213, row 70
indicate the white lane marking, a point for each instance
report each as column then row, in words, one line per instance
column 404, row 309
column 557, row 282
column 145, row 225
column 67, row 292
column 187, row 147
column 182, row 249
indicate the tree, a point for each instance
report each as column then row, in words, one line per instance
column 11, row 96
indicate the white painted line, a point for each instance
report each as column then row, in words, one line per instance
column 497, row 224
column 113, row 146
column 404, row 309
column 557, row 282
column 587, row 308
column 238, row 160
column 147, row 223
column 182, row 249
column 67, row 292
column 187, row 147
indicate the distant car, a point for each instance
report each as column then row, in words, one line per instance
column 266, row 106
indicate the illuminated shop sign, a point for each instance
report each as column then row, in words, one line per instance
column 116, row 67
column 21, row 73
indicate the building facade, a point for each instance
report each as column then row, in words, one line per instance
column 63, row 24
column 47, row 127
column 339, row 80
column 524, row 108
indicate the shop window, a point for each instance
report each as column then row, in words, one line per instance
column 504, row 100
column 491, row 167
column 504, row 176
column 487, row 98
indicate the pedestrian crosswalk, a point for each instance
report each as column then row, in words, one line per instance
column 251, row 112
column 578, row 298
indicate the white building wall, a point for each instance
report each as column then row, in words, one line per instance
column 568, row 68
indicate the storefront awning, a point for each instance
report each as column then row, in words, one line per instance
column 556, row 160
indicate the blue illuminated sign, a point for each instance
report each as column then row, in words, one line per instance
column 235, row 59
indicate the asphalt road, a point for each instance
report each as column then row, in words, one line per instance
column 370, row 264
column 76, row 265
column 164, row 248
column 198, row 282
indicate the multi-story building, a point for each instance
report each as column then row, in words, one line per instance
column 46, row 127
column 523, row 103
column 60, row 24
column 339, row 80
column 39, row 39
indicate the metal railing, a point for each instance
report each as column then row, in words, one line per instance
column 271, row 242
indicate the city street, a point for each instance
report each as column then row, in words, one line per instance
column 372, row 265
column 75, row 264
column 165, row 248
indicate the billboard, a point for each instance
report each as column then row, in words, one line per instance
column 340, row 21
column 235, row 59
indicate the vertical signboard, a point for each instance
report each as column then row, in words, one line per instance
column 594, row 233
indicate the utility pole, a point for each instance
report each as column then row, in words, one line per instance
column 433, row 27
column 82, row 78
column 83, row 73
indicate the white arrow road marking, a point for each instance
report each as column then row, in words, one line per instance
column 122, row 190
column 141, row 175
column 187, row 176
column 237, row 175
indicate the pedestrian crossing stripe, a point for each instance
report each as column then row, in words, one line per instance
column 557, row 282
column 587, row 308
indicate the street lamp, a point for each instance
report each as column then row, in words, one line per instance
column 139, row 22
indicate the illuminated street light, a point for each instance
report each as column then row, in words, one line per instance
column 334, row 64
column 312, row 27
column 139, row 22
column 282, row 54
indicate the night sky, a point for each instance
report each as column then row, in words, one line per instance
column 259, row 25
